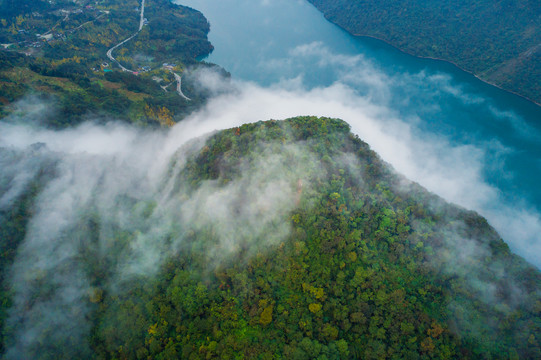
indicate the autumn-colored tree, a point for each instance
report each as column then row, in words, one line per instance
column 266, row 316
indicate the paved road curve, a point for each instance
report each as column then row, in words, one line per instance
column 141, row 24
column 178, row 78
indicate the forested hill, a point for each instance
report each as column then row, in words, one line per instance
column 55, row 52
column 499, row 41
column 278, row 239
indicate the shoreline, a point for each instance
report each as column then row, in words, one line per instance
column 433, row 58
column 446, row 61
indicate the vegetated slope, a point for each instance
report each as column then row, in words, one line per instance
column 56, row 52
column 283, row 239
column 499, row 41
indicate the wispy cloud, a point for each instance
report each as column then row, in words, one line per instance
column 457, row 172
column 122, row 176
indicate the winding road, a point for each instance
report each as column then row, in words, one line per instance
column 178, row 78
column 141, row 24
column 88, row 22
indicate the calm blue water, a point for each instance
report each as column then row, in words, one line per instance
column 265, row 41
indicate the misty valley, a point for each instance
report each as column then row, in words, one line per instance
column 243, row 179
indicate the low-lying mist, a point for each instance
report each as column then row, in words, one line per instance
column 454, row 172
column 115, row 204
column 432, row 127
column 125, row 179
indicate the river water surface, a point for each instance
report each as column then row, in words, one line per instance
column 269, row 42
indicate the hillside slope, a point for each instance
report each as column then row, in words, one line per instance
column 499, row 41
column 278, row 239
column 56, row 52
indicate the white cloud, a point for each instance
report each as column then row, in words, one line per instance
column 98, row 165
column 455, row 172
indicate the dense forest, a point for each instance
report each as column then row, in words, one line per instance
column 55, row 52
column 273, row 240
column 278, row 239
column 499, row 41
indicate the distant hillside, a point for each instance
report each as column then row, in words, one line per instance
column 55, row 52
column 499, row 41
column 278, row 239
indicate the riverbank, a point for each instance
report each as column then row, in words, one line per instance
column 497, row 50
column 442, row 60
